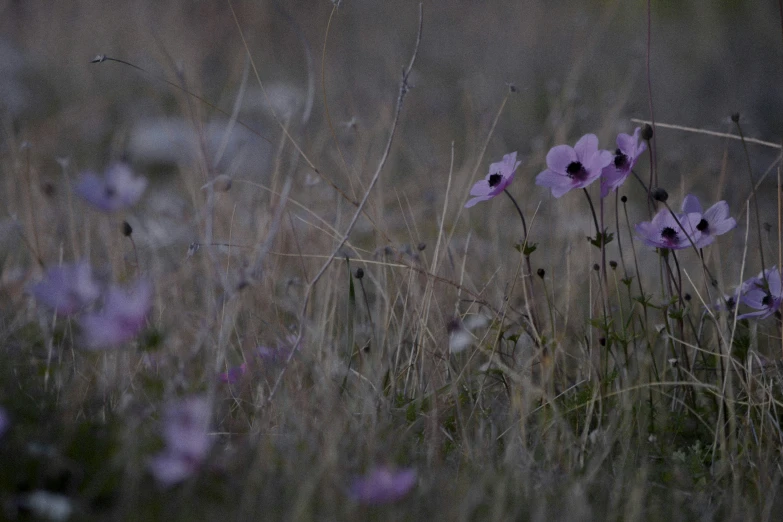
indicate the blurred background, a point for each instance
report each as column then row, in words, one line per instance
column 577, row 67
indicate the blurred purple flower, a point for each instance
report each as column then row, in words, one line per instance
column 500, row 176
column 66, row 289
column 664, row 231
column 233, row 374
column 116, row 190
column 625, row 157
column 279, row 353
column 764, row 293
column 122, row 317
column 383, row 485
column 186, row 434
column 4, row 421
column 714, row 222
column 569, row 168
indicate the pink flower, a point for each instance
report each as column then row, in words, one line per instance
column 569, row 168
column 118, row 188
column 186, row 434
column 122, row 318
column 714, row 222
column 625, row 157
column 383, row 485
column 500, row 176
column 664, row 231
column 66, row 289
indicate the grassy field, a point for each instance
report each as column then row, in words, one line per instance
column 239, row 280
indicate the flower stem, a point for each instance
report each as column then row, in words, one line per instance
column 519, row 210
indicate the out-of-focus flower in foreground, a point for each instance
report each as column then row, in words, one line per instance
column 383, row 485
column 122, row 318
column 625, row 157
column 66, row 289
column 665, row 232
column 118, row 188
column 763, row 293
column 573, row 167
column 4, row 422
column 500, row 176
column 186, row 434
column 233, row 374
column 714, row 222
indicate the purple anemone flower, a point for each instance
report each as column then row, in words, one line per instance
column 186, row 434
column 122, row 317
column 764, row 293
column 625, row 157
column 569, row 168
column 383, row 485
column 118, row 188
column 500, row 176
column 233, row 374
column 66, row 289
column 665, row 232
column 714, row 222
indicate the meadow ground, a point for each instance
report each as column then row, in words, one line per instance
column 239, row 280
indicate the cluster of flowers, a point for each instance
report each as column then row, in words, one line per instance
column 578, row 166
column 70, row 290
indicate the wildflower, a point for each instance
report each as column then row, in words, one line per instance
column 122, row 317
column 232, row 375
column 186, row 434
column 664, row 231
column 625, row 157
column 460, row 332
column 714, row 222
column 4, row 421
column 383, row 485
column 764, row 293
column 117, row 190
column 66, row 289
column 500, row 176
column 281, row 352
column 569, row 168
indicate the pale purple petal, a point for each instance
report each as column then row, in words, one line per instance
column 480, row 188
column 66, row 289
column 559, row 157
column 170, row 468
column 598, row 161
column 186, row 427
column 586, row 147
column 691, row 204
column 383, row 485
column 122, row 318
column 116, row 190
column 559, row 183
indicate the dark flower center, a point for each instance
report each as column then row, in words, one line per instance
column 576, row 170
column 730, row 303
column 767, row 301
column 703, row 225
column 495, row 179
column 109, row 191
column 620, row 159
column 669, row 234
